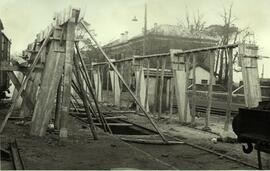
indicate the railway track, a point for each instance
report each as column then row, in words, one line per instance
column 142, row 130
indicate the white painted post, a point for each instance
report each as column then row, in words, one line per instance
column 248, row 55
column 141, row 88
column 179, row 75
column 115, row 88
column 97, row 82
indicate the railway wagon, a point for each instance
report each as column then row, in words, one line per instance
column 4, row 56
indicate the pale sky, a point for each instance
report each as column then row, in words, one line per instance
column 23, row 19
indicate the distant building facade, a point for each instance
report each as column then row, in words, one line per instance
column 159, row 39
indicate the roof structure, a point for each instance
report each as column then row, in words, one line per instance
column 1, row 25
column 167, row 30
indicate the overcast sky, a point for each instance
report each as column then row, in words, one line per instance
column 23, row 19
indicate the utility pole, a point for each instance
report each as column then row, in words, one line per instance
column 145, row 29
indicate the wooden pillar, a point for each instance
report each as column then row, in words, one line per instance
column 51, row 76
column 98, row 84
column 161, row 85
column 229, row 85
column 141, row 88
column 156, row 86
column 193, row 89
column 172, row 92
column 115, row 88
column 248, row 55
column 168, row 85
column 147, row 85
column 179, row 75
column 210, row 91
column 187, row 60
column 70, row 37
column 140, row 84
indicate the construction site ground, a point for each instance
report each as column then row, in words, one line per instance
column 80, row 151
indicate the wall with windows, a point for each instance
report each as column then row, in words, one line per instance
column 202, row 76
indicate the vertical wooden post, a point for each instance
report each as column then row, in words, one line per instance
column 141, row 85
column 229, row 85
column 168, row 85
column 248, row 60
column 97, row 82
column 186, row 87
column 171, row 96
column 115, row 88
column 156, row 87
column 147, row 83
column 70, row 37
column 179, row 74
column 108, row 80
column 210, row 91
column 101, row 73
column 161, row 85
column 193, row 89
column 138, row 74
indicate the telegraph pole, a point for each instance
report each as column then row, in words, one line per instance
column 145, row 29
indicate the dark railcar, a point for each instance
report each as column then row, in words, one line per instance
column 4, row 56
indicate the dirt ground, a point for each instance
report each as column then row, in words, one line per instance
column 80, row 151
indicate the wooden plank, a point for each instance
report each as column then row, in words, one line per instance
column 70, row 37
column 115, row 87
column 17, row 102
column 5, row 66
column 179, row 75
column 114, row 124
column 97, row 83
column 193, row 90
column 161, row 85
column 187, row 61
column 17, row 85
column 229, row 86
column 31, row 89
column 84, row 99
column 48, row 88
column 138, row 75
column 141, row 86
column 210, row 91
column 151, row 141
column 147, row 83
column 156, row 86
column 171, row 96
column 248, row 60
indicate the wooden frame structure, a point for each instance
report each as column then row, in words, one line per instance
column 180, row 62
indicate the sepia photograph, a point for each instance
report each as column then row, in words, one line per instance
column 134, row 85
